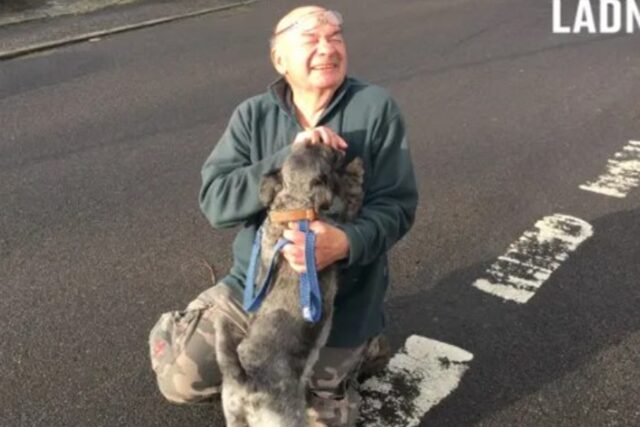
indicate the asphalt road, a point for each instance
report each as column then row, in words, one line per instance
column 100, row 231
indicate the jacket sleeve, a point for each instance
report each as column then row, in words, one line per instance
column 230, row 179
column 390, row 200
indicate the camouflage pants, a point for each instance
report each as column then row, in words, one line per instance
column 183, row 358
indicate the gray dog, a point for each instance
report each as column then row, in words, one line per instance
column 265, row 373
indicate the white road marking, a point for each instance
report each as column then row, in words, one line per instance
column 530, row 260
column 622, row 173
column 420, row 375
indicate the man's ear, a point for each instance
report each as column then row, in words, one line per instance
column 270, row 185
column 278, row 61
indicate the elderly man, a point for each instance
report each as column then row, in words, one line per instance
column 314, row 100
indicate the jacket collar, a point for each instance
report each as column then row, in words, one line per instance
column 283, row 96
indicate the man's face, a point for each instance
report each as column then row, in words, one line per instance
column 311, row 52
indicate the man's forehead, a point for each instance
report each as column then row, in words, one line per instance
column 295, row 14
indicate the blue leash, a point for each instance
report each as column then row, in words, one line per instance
column 310, row 296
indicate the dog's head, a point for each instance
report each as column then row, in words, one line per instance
column 309, row 179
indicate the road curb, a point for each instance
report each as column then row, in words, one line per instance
column 38, row 47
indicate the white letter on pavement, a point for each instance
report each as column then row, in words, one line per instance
column 557, row 19
column 610, row 16
column 584, row 18
column 633, row 16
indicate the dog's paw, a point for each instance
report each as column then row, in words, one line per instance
column 314, row 418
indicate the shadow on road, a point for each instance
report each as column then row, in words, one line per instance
column 589, row 304
column 10, row 6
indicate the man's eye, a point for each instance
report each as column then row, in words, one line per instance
column 313, row 39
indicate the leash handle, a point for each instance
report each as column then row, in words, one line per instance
column 310, row 296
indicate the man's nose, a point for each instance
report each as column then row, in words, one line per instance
column 325, row 46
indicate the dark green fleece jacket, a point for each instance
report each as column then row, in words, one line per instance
column 257, row 140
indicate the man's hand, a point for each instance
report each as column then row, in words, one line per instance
column 321, row 135
column 331, row 245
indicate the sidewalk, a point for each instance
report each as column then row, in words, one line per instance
column 18, row 11
column 29, row 26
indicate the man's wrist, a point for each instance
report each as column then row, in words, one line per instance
column 344, row 246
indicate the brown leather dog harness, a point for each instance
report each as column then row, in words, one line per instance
column 293, row 215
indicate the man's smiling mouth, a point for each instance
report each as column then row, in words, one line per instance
column 324, row 67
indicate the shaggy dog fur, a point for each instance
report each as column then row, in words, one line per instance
column 265, row 373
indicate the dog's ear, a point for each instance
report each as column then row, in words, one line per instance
column 338, row 159
column 270, row 185
column 354, row 171
column 351, row 191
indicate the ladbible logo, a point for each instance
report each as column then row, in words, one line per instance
column 596, row 17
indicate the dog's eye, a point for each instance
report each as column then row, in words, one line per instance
column 322, row 180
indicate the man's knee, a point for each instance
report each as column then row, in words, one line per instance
column 182, row 350
column 172, row 393
column 189, row 381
